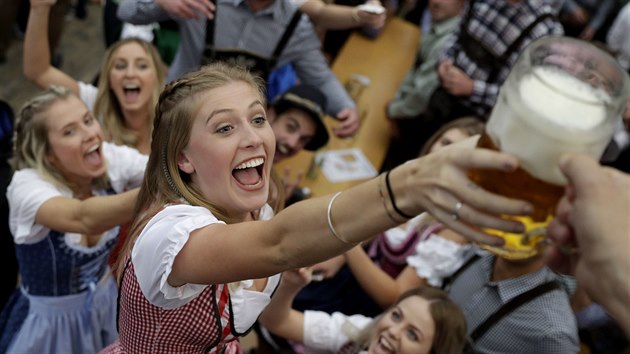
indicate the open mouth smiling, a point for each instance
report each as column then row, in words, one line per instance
column 249, row 173
column 131, row 90
column 93, row 154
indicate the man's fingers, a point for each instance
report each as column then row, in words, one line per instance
column 197, row 7
column 346, row 129
column 185, row 12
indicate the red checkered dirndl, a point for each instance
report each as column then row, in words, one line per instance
column 201, row 326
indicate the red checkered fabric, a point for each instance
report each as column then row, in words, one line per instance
column 201, row 326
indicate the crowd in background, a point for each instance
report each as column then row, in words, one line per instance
column 143, row 212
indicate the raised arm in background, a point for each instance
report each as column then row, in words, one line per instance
column 36, row 61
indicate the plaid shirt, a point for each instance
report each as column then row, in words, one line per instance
column 546, row 324
column 496, row 24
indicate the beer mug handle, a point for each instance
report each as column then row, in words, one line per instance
column 533, row 233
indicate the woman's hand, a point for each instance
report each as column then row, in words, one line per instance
column 439, row 183
column 329, row 268
column 296, row 279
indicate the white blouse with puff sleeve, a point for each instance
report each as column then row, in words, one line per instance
column 28, row 190
column 327, row 333
column 163, row 238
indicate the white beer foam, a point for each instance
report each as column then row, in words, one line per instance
column 579, row 106
column 538, row 121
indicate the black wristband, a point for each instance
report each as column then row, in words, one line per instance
column 391, row 197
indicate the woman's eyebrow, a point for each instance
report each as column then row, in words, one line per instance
column 214, row 113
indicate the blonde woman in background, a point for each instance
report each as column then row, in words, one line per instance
column 66, row 200
column 130, row 81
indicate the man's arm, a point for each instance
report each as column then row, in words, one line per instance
column 419, row 85
column 303, row 51
column 141, row 12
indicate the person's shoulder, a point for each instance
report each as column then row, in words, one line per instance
column 27, row 177
column 178, row 220
column 178, row 212
column 286, row 9
column 446, row 27
column 25, row 174
column 182, row 209
column 121, row 154
column 111, row 149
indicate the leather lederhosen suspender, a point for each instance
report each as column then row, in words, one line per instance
column 257, row 64
column 449, row 281
column 508, row 308
column 504, row 310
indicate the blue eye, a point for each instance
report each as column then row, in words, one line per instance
column 259, row 120
column 224, row 129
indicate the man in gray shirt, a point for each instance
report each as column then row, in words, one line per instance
column 544, row 324
column 253, row 26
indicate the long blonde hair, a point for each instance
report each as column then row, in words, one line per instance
column 107, row 107
column 30, row 138
column 164, row 183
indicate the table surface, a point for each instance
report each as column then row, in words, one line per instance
column 384, row 61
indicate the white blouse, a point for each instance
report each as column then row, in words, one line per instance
column 87, row 94
column 153, row 259
column 437, row 258
column 327, row 333
column 28, row 190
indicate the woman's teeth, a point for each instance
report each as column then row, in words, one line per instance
column 251, row 163
column 93, row 148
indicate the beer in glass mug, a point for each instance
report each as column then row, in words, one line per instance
column 563, row 95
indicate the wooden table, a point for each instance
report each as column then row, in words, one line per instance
column 385, row 61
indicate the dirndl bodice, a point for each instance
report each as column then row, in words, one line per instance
column 203, row 325
column 51, row 267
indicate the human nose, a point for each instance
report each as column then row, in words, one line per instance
column 293, row 140
column 129, row 70
column 251, row 137
column 396, row 330
column 91, row 132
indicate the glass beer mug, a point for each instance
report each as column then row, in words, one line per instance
column 563, row 95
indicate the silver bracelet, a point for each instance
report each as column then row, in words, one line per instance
column 329, row 219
